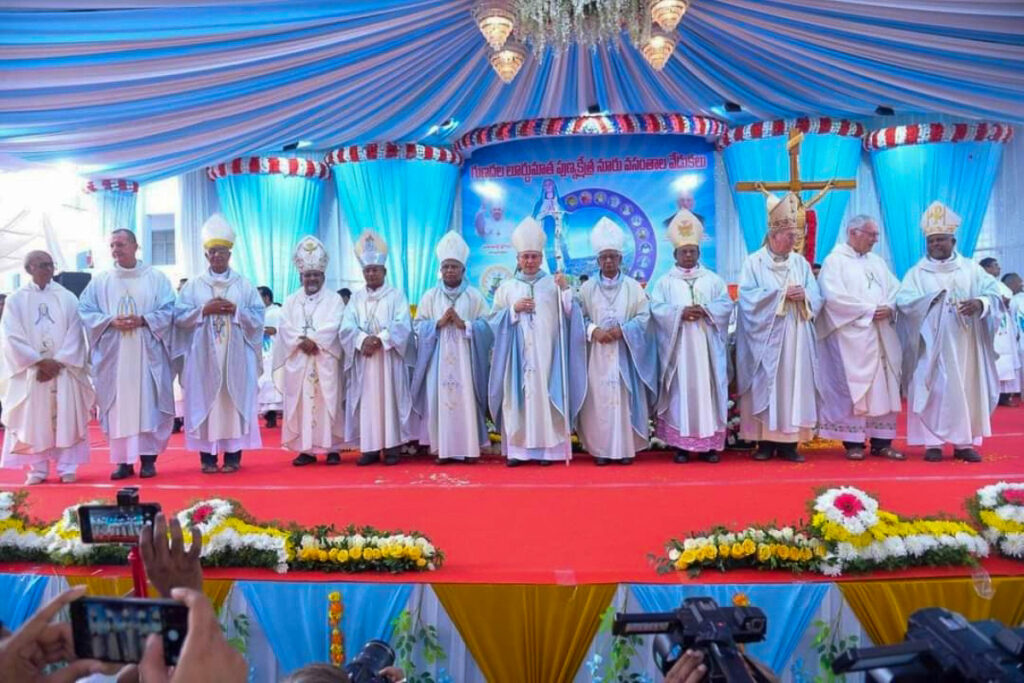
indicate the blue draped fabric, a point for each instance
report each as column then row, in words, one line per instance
column 294, row 616
column 822, row 157
column 410, row 204
column 269, row 213
column 116, row 210
column 911, row 177
column 788, row 607
column 20, row 596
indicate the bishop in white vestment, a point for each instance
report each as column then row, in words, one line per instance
column 776, row 357
column 453, row 341
column 691, row 308
column 48, row 400
column 949, row 311
column 376, row 336
column 219, row 323
column 127, row 313
column 307, row 362
column 859, row 347
column 622, row 365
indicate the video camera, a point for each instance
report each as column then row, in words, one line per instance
column 700, row 624
column 375, row 655
column 940, row 646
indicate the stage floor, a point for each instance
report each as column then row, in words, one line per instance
column 558, row 524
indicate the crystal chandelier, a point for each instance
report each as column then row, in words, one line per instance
column 668, row 13
column 495, row 22
column 658, row 48
column 507, row 61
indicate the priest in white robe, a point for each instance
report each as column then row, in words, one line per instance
column 270, row 397
column 949, row 313
column 127, row 313
column 376, row 336
column 776, row 358
column 533, row 394
column 48, row 400
column 1007, row 358
column 859, row 348
column 622, row 365
column 692, row 308
column 453, row 342
column 307, row 362
column 219, row 332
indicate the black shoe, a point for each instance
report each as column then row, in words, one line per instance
column 303, row 459
column 232, row 461
column 271, row 420
column 790, row 454
column 764, row 452
column 208, row 463
column 148, row 469
column 391, row 455
column 178, row 424
column 966, row 454
column 681, row 456
column 512, row 462
column 547, row 463
column 368, row 458
column 710, row 456
column 625, row 461
column 601, row 462
column 123, row 471
column 933, row 455
column 333, row 458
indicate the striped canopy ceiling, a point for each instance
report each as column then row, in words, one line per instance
column 143, row 89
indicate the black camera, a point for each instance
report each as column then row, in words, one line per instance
column 700, row 624
column 940, row 646
column 375, row 655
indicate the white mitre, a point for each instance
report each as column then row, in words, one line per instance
column 310, row 254
column 371, row 249
column 784, row 213
column 452, row 248
column 216, row 232
column 606, row 235
column 939, row 219
column 685, row 229
column 529, row 236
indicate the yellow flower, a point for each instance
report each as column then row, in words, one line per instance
column 749, row 547
column 333, row 554
column 741, row 600
column 707, row 553
column 688, row 557
column 806, row 555
column 680, row 564
column 415, row 552
column 764, row 552
column 782, row 552
column 334, row 596
column 355, row 553
column 737, row 551
column 723, row 550
column 421, row 562
column 712, row 551
column 342, row 556
column 322, row 555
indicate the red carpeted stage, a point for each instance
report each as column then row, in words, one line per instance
column 562, row 525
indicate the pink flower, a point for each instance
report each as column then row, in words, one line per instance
column 201, row 514
column 1014, row 496
column 849, row 504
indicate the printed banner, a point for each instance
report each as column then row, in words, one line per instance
column 568, row 184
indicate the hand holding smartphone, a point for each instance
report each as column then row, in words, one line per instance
column 115, row 523
column 116, row 629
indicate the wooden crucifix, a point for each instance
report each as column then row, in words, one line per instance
column 808, row 231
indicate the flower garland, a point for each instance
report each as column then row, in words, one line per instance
column 335, row 610
column 365, row 549
column 999, row 510
column 753, row 547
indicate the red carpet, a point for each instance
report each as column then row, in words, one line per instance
column 576, row 524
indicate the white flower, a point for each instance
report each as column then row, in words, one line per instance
column 1013, row 545
column 1011, row 513
column 428, row 550
column 988, row 496
column 356, row 541
column 787, row 533
column 895, row 547
column 674, row 554
column 758, row 536
column 689, row 544
column 846, row 551
column 855, row 522
column 831, row 568
column 729, row 538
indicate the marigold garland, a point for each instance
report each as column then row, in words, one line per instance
column 335, row 611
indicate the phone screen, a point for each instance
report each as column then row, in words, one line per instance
column 115, row 523
column 115, row 629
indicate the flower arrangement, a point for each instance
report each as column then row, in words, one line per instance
column 335, row 610
column 999, row 510
column 363, row 549
column 753, row 547
column 20, row 540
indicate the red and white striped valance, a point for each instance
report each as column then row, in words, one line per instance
column 116, row 184
column 823, row 125
column 288, row 166
column 923, row 133
column 408, row 151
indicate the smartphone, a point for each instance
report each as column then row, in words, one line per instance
column 115, row 629
column 115, row 523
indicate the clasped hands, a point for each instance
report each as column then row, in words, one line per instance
column 450, row 317
column 693, row 313
column 526, row 305
column 47, row 369
column 218, row 306
column 371, row 345
column 882, row 313
column 126, row 323
column 308, row 346
column 795, row 293
column 607, row 336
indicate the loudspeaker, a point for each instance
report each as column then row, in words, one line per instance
column 73, row 281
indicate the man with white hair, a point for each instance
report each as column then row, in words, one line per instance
column 859, row 348
column 453, row 341
column 127, row 313
column 949, row 308
column 48, row 398
column 621, row 364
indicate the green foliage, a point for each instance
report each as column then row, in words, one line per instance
column 829, row 642
column 620, row 657
column 414, row 642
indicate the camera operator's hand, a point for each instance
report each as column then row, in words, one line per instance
column 392, row 673
column 206, row 656
column 26, row 653
column 170, row 565
column 688, row 669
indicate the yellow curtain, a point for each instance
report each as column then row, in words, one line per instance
column 526, row 633
column 883, row 606
column 121, row 586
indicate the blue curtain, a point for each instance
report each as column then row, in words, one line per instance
column 822, row 157
column 911, row 177
column 789, row 608
column 269, row 213
column 294, row 616
column 20, row 597
column 410, row 204
column 117, row 210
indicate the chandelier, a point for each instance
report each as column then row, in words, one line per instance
column 650, row 25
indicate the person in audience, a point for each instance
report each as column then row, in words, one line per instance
column 127, row 313
column 346, row 294
column 219, row 323
column 307, row 362
column 376, row 336
column 1007, row 361
column 269, row 397
column 692, row 308
column 949, row 309
column 48, row 399
column 859, row 348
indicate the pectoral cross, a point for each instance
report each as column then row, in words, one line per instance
column 796, row 185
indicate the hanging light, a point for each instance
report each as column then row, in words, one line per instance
column 508, row 60
column 658, row 48
column 495, row 22
column 668, row 13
